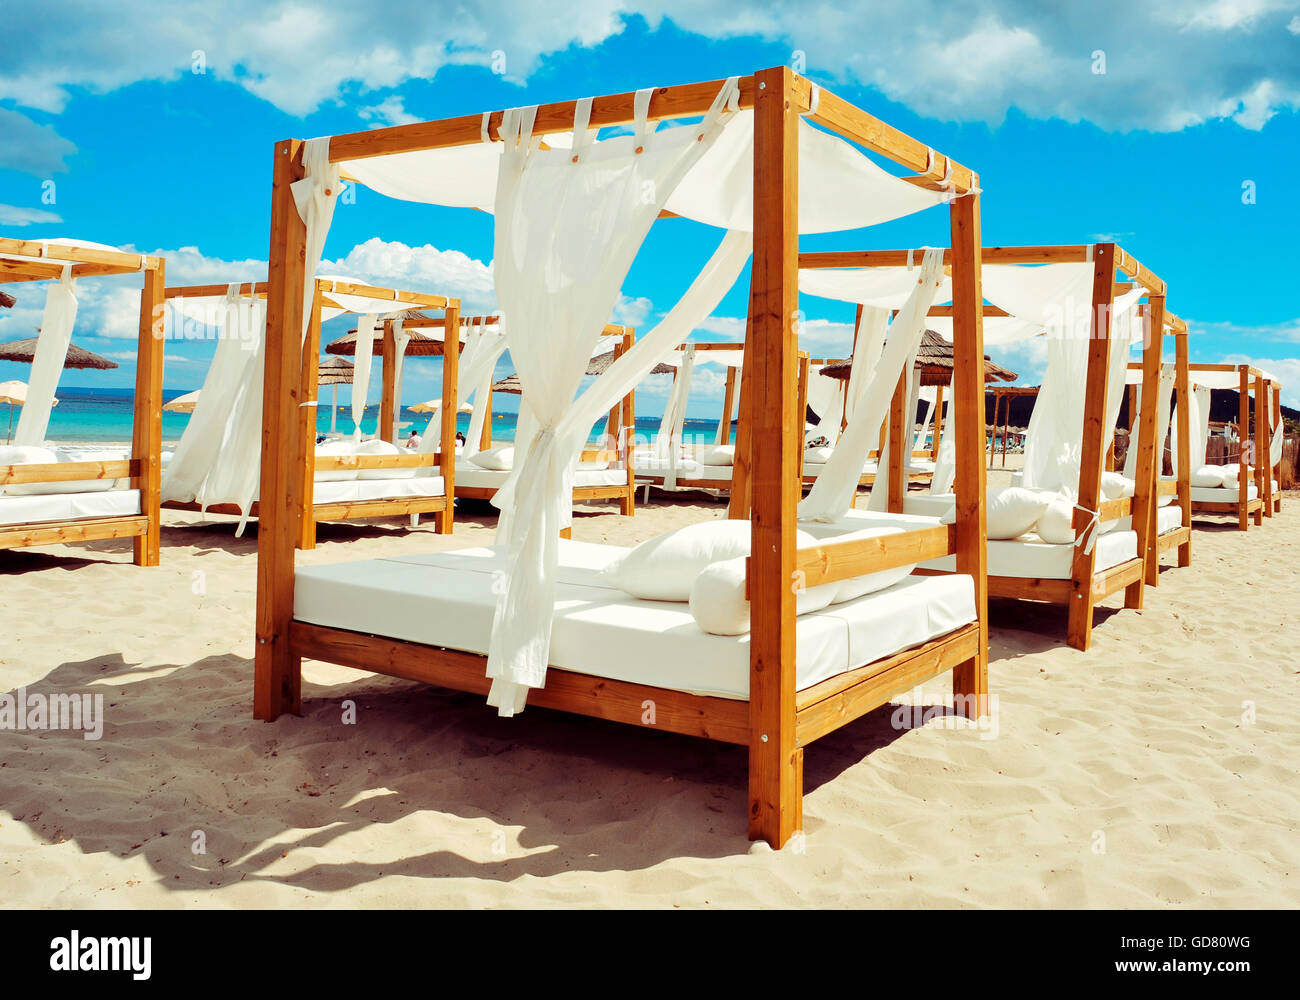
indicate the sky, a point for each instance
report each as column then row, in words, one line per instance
column 1172, row 128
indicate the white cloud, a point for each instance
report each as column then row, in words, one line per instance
column 420, row 269
column 1286, row 370
column 31, row 148
column 632, row 312
column 1287, row 330
column 1226, row 59
column 16, row 215
column 390, row 111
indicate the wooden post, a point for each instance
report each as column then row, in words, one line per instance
column 1146, row 473
column 1243, row 435
column 277, row 673
column 938, row 424
column 1184, row 457
column 1081, row 596
column 450, row 401
column 146, row 425
column 900, row 443
column 1277, row 422
column 970, row 680
column 309, row 380
column 626, row 440
column 728, row 404
column 775, row 759
column 1263, row 467
column 485, row 437
column 741, row 481
column 387, row 398
column 1006, row 427
column 802, row 407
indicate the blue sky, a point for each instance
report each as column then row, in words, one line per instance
column 152, row 128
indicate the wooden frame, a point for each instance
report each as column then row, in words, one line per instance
column 25, row 260
column 1249, row 380
column 310, row 513
column 1087, row 584
column 778, row 721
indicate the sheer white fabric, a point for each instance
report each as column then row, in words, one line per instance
column 1275, row 445
column 1163, row 401
column 945, row 465
column 826, row 398
column 315, row 196
column 47, row 365
column 361, row 369
column 833, row 492
column 400, row 339
column 868, row 341
column 668, row 442
column 568, row 225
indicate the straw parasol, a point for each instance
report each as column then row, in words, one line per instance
column 15, row 394
column 421, row 344
column 596, row 366
column 7, row 300
column 934, row 356
column 183, row 404
column 334, row 372
column 78, row 357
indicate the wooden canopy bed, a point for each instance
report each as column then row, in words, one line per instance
column 44, row 515
column 368, row 494
column 1253, row 495
column 775, row 719
column 1077, row 576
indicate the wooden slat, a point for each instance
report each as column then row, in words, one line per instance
column 84, row 529
column 719, row 719
column 413, row 460
column 775, row 800
column 839, row 560
column 1023, row 588
column 277, row 684
column 122, row 263
column 835, row 702
column 66, row 472
column 388, row 507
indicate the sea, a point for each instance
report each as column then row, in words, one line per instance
column 104, row 416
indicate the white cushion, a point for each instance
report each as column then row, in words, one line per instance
column 65, row 453
column 381, row 447
column 665, row 567
column 22, row 454
column 1010, row 511
column 1056, row 523
column 1232, row 475
column 1207, row 477
column 1115, row 486
column 857, row 586
column 818, row 456
column 498, row 459
column 335, row 449
column 723, row 454
column 593, row 466
column 719, row 606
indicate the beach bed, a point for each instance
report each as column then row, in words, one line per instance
column 81, row 498
column 779, row 687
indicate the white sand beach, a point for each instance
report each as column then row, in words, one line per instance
column 1158, row 769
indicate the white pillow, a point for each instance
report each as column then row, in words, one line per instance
column 665, row 567
column 1207, row 477
column 1115, row 486
column 818, row 456
column 1056, row 523
column 1010, row 511
column 66, row 454
column 335, row 449
column 498, row 459
column 718, row 598
column 380, row 447
column 23, row 454
column 857, row 586
column 1231, row 476
column 723, row 454
column 593, row 466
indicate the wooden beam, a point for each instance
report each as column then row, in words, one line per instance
column 309, row 380
column 277, row 671
column 1243, row 436
column 450, row 401
column 775, row 795
column 728, row 404
column 625, row 440
column 1094, row 410
column 146, row 433
column 83, row 529
column 900, row 442
column 741, row 480
column 1147, row 470
column 1182, row 383
column 388, row 390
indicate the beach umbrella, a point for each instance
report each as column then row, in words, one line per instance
column 596, row 366
column 334, row 372
column 78, row 357
column 421, row 344
column 15, row 394
column 433, row 405
column 183, row 404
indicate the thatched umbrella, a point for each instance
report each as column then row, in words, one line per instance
column 421, row 344
column 334, row 372
column 78, row 357
column 6, row 300
column 596, row 366
column 934, row 356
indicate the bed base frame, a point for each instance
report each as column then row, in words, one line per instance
column 1268, row 411
column 144, row 467
column 777, row 721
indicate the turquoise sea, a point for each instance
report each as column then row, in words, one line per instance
column 104, row 416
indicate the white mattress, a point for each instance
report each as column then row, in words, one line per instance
column 1222, row 494
column 360, row 490
column 1018, row 557
column 686, row 469
column 447, row 599
column 68, row 506
column 491, row 479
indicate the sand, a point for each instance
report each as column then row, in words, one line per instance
column 1161, row 768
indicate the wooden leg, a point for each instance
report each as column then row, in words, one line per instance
column 1080, row 623
column 1185, row 554
column 970, row 686
column 1133, row 592
column 444, row 522
column 627, row 504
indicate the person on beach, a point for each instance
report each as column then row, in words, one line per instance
column 413, row 442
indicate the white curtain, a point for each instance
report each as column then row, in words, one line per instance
column 1163, row 400
column 569, row 223
column 476, row 365
column 668, row 442
column 47, row 365
column 400, row 339
column 868, row 342
column 1198, row 426
column 361, row 369
column 832, row 494
column 945, row 465
column 826, row 397
column 918, row 442
column 1275, row 445
column 315, row 196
